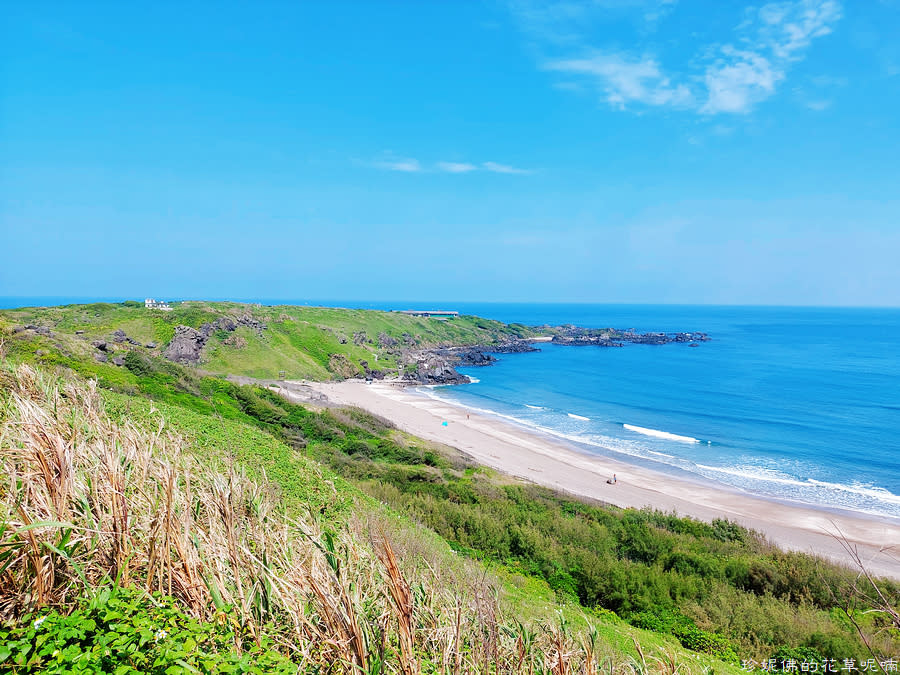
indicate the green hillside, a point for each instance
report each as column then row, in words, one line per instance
column 304, row 342
column 170, row 541
column 493, row 574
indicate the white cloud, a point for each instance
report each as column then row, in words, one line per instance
column 772, row 38
column 503, row 168
column 738, row 80
column 818, row 105
column 625, row 80
column 410, row 165
column 730, row 77
column 456, row 167
column 407, row 165
column 788, row 27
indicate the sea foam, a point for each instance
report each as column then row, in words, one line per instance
column 660, row 434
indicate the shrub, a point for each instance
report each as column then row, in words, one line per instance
column 125, row 632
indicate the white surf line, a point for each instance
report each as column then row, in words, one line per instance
column 660, row 434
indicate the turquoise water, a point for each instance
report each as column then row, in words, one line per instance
column 793, row 403
column 796, row 404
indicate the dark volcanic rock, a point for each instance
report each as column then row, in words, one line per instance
column 610, row 337
column 151, row 345
column 438, row 365
column 118, row 360
column 40, row 330
column 250, row 322
column 473, row 356
column 511, row 347
column 186, row 346
column 385, row 340
column 370, row 373
column 435, row 369
column 102, row 358
column 580, row 341
column 188, row 343
column 101, row 345
column 119, row 336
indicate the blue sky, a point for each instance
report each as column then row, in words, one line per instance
column 606, row 151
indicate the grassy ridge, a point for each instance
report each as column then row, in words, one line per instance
column 140, row 549
column 717, row 587
column 305, row 342
column 714, row 588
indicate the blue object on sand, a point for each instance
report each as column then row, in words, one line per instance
column 443, row 424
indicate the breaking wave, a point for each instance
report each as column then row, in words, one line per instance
column 660, row 434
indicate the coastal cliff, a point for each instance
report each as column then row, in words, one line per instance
column 288, row 342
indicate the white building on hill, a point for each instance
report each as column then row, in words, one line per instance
column 150, row 303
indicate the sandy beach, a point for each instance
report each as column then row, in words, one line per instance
column 547, row 461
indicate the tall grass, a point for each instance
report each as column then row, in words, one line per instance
column 87, row 503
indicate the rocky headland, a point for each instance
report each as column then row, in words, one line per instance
column 439, row 365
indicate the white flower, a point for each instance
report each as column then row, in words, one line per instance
column 38, row 622
column 160, row 635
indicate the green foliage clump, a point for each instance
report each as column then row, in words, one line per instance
column 128, row 632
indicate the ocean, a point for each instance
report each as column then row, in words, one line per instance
column 798, row 404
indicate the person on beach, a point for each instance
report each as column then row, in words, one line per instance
column 613, row 480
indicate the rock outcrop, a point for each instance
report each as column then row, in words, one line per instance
column 187, row 344
column 611, row 337
column 438, row 365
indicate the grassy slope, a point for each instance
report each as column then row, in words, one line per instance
column 298, row 340
column 439, row 495
column 305, row 486
column 305, row 489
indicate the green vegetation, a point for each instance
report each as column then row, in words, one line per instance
column 717, row 587
column 124, row 632
column 127, row 547
column 309, row 491
column 304, row 342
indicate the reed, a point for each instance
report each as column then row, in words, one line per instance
column 86, row 503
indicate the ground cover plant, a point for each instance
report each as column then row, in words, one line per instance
column 303, row 342
column 124, row 548
column 714, row 588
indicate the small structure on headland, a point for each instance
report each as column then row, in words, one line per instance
column 440, row 314
column 150, row 303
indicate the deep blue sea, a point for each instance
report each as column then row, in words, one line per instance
column 801, row 404
column 793, row 403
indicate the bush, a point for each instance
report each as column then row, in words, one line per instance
column 708, row 643
column 127, row 632
column 797, row 654
column 139, row 364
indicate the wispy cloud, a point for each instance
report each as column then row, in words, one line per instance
column 818, row 105
column 503, row 168
column 456, row 167
column 771, row 38
column 737, row 80
column 412, row 165
column 731, row 76
column 625, row 79
column 407, row 165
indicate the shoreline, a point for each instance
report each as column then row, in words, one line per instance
column 546, row 460
column 673, row 473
